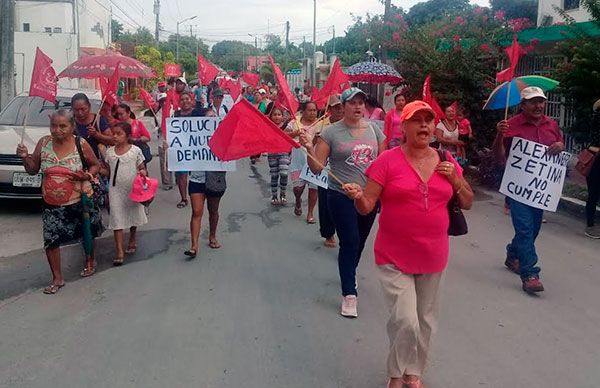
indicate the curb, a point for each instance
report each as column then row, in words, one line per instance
column 574, row 207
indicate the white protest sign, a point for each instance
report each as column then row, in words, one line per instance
column 188, row 145
column 534, row 177
column 321, row 179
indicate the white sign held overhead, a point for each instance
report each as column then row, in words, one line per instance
column 188, row 145
column 534, row 177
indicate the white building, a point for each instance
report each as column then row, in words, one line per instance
column 63, row 29
column 547, row 14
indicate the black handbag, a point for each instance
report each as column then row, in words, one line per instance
column 458, row 222
column 145, row 150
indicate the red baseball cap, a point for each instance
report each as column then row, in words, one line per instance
column 413, row 107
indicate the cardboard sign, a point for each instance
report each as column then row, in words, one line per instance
column 321, row 180
column 534, row 177
column 188, row 145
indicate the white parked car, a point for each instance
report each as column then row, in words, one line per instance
column 14, row 181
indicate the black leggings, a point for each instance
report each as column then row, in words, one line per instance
column 593, row 185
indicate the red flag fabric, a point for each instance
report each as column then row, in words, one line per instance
column 148, row 100
column 234, row 87
column 170, row 104
column 428, row 98
column 514, row 53
column 285, row 98
column 207, row 71
column 110, row 91
column 336, row 83
column 172, row 70
column 245, row 131
column 251, row 78
column 43, row 77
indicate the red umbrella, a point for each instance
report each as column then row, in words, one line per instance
column 96, row 66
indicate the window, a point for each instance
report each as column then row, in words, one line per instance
column 14, row 114
column 48, row 29
column 571, row 4
column 57, row 30
column 25, row 27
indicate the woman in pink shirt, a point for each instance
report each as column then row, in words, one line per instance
column 392, row 129
column 414, row 187
column 140, row 136
column 373, row 111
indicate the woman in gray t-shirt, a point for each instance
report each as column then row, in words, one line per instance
column 351, row 145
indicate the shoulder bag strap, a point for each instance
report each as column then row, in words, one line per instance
column 84, row 163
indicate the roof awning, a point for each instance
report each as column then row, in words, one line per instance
column 554, row 33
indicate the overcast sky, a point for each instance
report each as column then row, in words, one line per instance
column 234, row 19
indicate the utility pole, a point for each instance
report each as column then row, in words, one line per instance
column 191, row 33
column 333, row 27
column 7, row 51
column 157, row 25
column 314, row 59
column 256, row 56
column 287, row 43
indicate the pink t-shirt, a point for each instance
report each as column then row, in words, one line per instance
column 463, row 126
column 413, row 224
column 138, row 129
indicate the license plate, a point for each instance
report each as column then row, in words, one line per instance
column 22, row 179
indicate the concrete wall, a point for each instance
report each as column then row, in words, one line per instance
column 94, row 21
column 546, row 8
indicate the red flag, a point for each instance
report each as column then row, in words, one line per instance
column 172, row 70
column 43, row 77
column 148, row 100
column 206, row 70
column 234, row 87
column 336, row 83
column 110, row 91
column 285, row 97
column 514, row 53
column 428, row 98
column 245, row 131
column 251, row 78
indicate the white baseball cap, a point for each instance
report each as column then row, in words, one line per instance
column 532, row 92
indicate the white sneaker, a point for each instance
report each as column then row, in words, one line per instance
column 350, row 306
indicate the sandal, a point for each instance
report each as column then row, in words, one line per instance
column 53, row 289
column 330, row 244
column 87, row 271
column 274, row 201
column 298, row 210
column 190, row 253
column 214, row 244
column 118, row 261
column 283, row 200
column 131, row 250
column 183, row 203
column 311, row 220
column 412, row 383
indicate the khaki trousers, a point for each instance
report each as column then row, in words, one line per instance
column 413, row 301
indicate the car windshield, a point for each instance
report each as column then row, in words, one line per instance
column 38, row 112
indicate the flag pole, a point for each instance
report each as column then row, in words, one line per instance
column 98, row 114
column 25, row 118
column 322, row 166
column 507, row 100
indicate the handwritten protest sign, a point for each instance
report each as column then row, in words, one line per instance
column 534, row 177
column 321, row 179
column 188, row 145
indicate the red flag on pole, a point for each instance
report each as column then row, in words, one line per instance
column 109, row 93
column 428, row 98
column 43, row 77
column 251, row 78
column 148, row 100
column 336, row 83
column 285, row 97
column 206, row 70
column 514, row 53
column 245, row 131
column 172, row 70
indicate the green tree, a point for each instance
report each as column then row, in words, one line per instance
column 230, row 54
column 428, row 11
column 141, row 36
column 116, row 30
column 580, row 74
column 188, row 47
column 515, row 9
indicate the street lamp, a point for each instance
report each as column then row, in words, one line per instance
column 178, row 23
column 256, row 38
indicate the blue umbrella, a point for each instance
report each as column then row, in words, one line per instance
column 497, row 99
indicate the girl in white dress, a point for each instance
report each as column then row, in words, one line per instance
column 126, row 161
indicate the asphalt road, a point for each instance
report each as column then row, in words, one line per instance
column 263, row 310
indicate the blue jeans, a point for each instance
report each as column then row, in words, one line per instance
column 353, row 231
column 527, row 222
